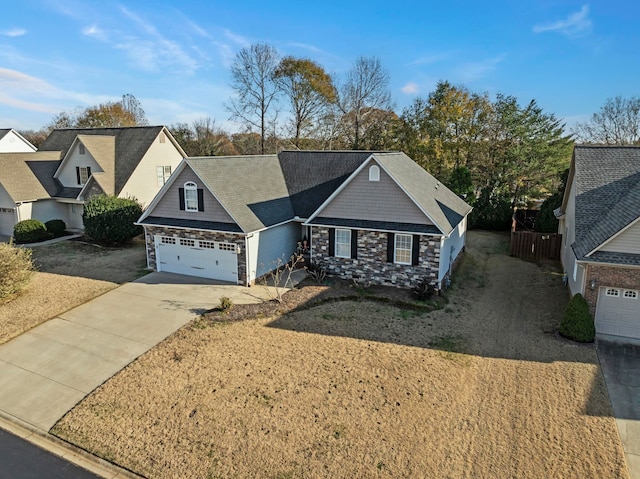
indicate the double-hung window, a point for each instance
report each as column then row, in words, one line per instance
column 163, row 173
column 343, row 243
column 84, row 175
column 190, row 196
column 403, row 246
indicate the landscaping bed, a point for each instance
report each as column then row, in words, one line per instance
column 68, row 274
column 357, row 388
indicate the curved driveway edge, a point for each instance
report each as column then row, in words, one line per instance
column 46, row 371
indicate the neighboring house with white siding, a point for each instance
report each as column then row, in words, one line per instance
column 13, row 142
column 372, row 216
column 74, row 164
column 600, row 223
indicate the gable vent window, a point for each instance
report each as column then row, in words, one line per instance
column 191, row 197
column 374, row 173
column 162, row 138
column 81, row 149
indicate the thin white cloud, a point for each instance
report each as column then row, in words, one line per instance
column 17, row 89
column 14, row 32
column 430, row 59
column 472, row 71
column 410, row 88
column 237, row 39
column 575, row 25
column 95, row 32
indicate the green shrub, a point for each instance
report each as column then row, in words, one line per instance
column 577, row 323
column 491, row 211
column 16, row 269
column 110, row 220
column 30, row 231
column 57, row 228
column 225, row 304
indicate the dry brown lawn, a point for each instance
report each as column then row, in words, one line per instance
column 68, row 274
column 481, row 388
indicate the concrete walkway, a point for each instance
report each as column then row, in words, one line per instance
column 620, row 364
column 49, row 369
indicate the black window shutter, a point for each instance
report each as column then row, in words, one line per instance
column 181, row 195
column 88, row 171
column 390, row 247
column 78, row 173
column 332, row 241
column 200, row 199
column 354, row 244
column 415, row 254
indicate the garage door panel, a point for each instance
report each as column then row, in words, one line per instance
column 618, row 312
column 201, row 258
column 7, row 221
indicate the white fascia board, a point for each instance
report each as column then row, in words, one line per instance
column 168, row 134
column 144, row 225
column 611, row 238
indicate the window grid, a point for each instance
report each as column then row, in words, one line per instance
column 343, row 243
column 227, row 247
column 84, row 175
column 630, row 294
column 403, row 249
column 207, row 244
column 163, row 173
column 187, row 242
column 167, row 240
column 190, row 196
column 613, row 292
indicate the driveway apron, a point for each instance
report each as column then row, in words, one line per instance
column 620, row 363
column 49, row 369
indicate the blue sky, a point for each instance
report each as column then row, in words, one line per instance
column 56, row 55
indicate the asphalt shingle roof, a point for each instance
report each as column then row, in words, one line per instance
column 607, row 182
column 17, row 174
column 261, row 191
column 3, row 132
column 131, row 144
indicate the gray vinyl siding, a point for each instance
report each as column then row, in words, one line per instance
column 626, row 242
column 380, row 200
column 451, row 247
column 274, row 247
column 169, row 204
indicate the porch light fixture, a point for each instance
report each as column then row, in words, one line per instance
column 593, row 284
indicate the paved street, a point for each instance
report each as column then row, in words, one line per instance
column 20, row 459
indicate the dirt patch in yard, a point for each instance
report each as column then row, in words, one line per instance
column 479, row 388
column 68, row 274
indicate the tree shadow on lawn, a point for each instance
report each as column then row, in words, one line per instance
column 498, row 307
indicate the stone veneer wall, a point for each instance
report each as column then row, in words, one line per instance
column 371, row 264
column 238, row 240
column 617, row 277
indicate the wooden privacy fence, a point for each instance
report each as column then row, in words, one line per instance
column 534, row 246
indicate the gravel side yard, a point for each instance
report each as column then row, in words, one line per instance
column 479, row 388
column 68, row 274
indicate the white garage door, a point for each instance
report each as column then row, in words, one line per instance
column 205, row 259
column 7, row 221
column 618, row 312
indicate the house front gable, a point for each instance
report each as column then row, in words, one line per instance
column 372, row 195
column 158, row 163
column 172, row 204
column 77, row 166
column 13, row 142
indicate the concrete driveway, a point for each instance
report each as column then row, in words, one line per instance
column 620, row 364
column 49, row 369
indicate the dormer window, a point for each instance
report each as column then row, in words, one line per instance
column 190, row 196
column 374, row 173
column 80, row 149
column 82, row 174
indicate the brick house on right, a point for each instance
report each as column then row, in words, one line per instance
column 600, row 223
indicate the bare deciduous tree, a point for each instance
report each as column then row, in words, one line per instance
column 252, row 79
column 617, row 123
column 365, row 90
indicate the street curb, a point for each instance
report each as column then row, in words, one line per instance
column 63, row 449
